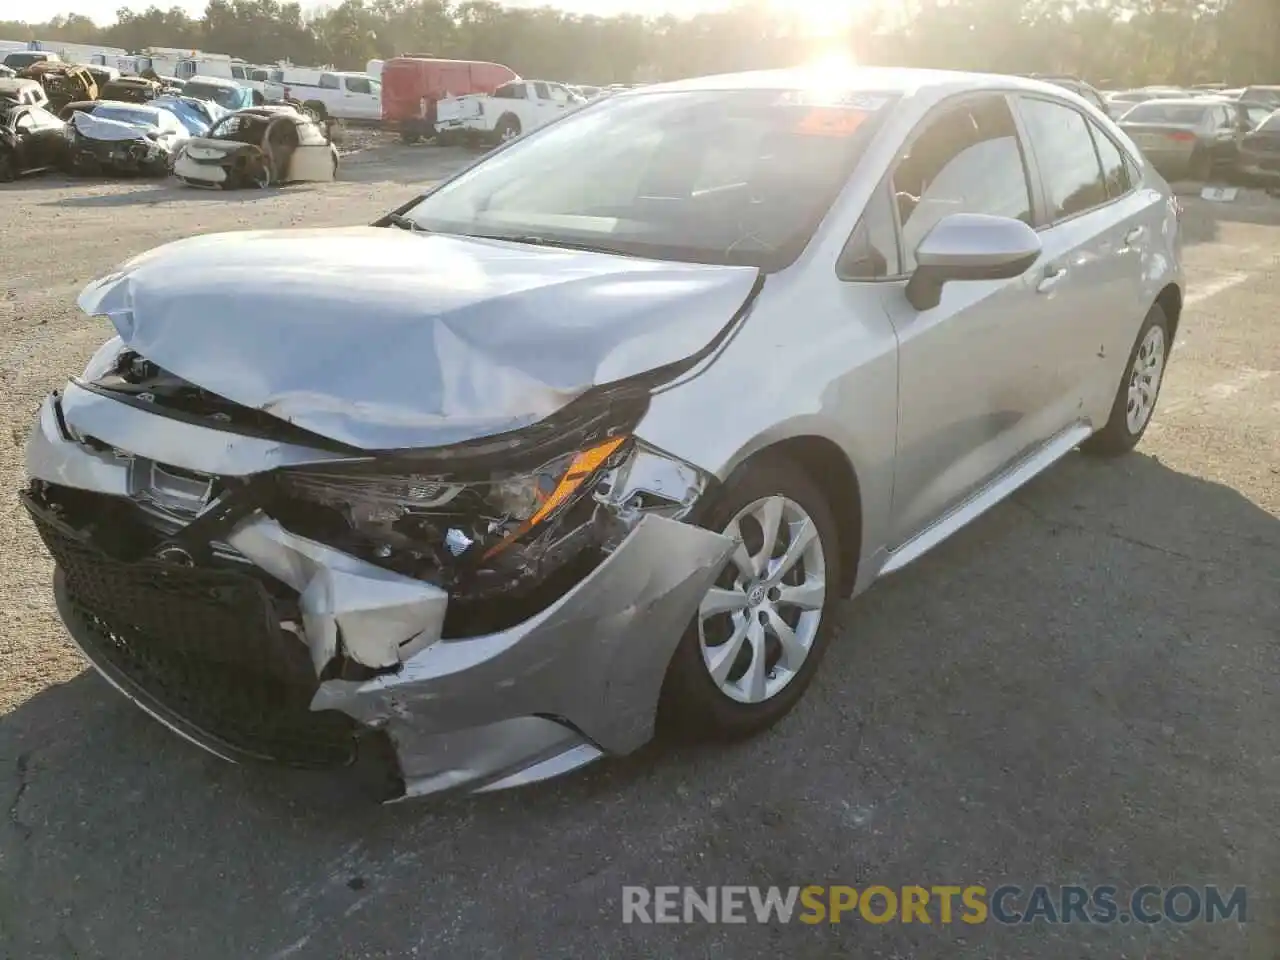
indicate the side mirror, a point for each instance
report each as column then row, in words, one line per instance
column 970, row 246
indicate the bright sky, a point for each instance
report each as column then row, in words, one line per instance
column 103, row 11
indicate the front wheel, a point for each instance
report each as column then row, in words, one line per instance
column 1139, row 389
column 508, row 129
column 761, row 630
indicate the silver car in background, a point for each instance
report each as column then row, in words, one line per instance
column 1191, row 137
column 591, row 439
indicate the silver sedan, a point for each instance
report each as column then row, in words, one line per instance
column 591, row 439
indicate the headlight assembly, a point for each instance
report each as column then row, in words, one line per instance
column 455, row 522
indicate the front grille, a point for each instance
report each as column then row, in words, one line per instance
column 203, row 644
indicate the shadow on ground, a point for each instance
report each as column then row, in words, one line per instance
column 1080, row 688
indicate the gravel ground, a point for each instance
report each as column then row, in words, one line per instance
column 1082, row 687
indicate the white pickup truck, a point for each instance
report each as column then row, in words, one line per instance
column 329, row 94
column 512, row 109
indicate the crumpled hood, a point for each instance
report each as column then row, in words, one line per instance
column 103, row 128
column 381, row 338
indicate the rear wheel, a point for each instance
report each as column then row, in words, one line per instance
column 1136, row 396
column 762, row 629
column 318, row 110
column 410, row 136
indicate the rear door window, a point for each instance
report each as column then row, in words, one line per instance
column 1068, row 161
column 1115, row 172
column 358, row 85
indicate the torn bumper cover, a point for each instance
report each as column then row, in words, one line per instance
column 269, row 644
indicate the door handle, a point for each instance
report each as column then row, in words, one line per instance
column 1053, row 275
column 1133, row 236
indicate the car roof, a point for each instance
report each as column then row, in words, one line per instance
column 136, row 81
column 1186, row 102
column 899, row 80
column 213, row 81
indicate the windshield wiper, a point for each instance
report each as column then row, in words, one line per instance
column 534, row 240
column 405, row 223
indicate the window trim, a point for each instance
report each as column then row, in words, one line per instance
column 1133, row 172
column 885, row 194
column 1046, row 223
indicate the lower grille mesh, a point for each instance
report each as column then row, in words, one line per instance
column 204, row 645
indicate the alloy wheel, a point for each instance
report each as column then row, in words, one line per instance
column 1144, row 379
column 757, row 625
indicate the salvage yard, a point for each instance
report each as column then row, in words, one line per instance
column 1081, row 688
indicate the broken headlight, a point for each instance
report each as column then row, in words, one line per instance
column 446, row 525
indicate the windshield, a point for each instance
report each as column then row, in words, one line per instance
column 705, row 176
column 1153, row 111
column 223, row 96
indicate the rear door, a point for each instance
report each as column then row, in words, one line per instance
column 1093, row 228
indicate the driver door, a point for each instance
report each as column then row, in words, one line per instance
column 978, row 372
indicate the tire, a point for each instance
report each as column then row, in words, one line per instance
column 410, row 137
column 696, row 706
column 508, row 128
column 1121, row 432
column 318, row 110
column 8, row 171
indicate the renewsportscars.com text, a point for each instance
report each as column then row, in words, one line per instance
column 936, row 904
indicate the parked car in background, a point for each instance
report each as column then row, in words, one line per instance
column 63, row 82
column 119, row 137
column 468, row 493
column 131, row 90
column 331, row 94
column 1262, row 94
column 413, row 86
column 1260, row 152
column 1119, row 103
column 228, row 94
column 26, row 93
column 1193, row 138
column 102, row 75
column 194, row 114
column 21, row 59
column 259, row 147
column 514, row 108
column 31, row 140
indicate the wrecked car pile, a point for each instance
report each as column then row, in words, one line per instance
column 122, row 138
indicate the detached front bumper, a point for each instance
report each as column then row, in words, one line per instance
column 228, row 657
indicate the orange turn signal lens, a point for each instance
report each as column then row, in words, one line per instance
column 583, row 465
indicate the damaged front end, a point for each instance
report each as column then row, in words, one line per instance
column 498, row 611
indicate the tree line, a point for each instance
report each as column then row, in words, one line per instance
column 1108, row 42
